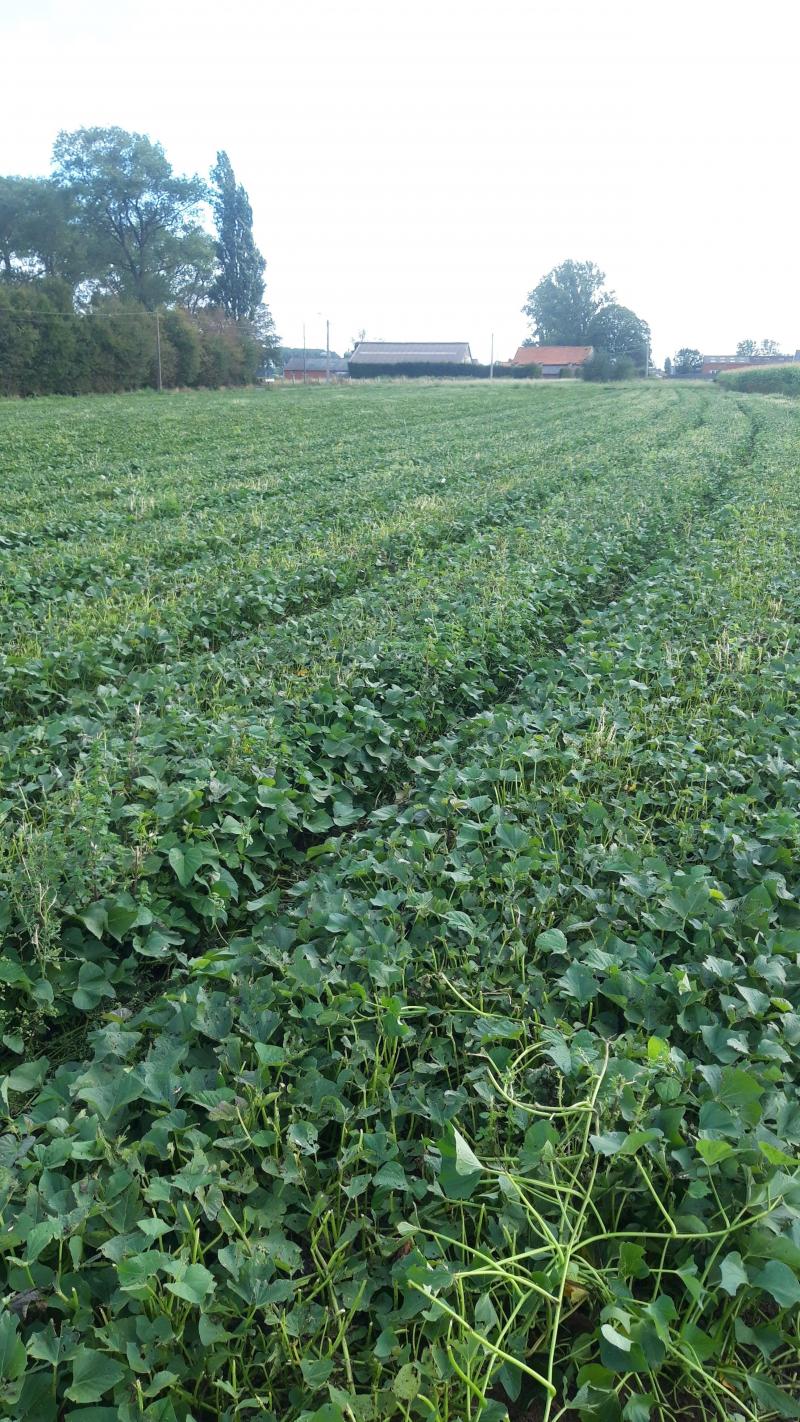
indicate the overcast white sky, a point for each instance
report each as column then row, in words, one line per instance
column 415, row 168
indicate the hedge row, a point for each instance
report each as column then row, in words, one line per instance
column 764, row 380
column 413, row 369
column 47, row 348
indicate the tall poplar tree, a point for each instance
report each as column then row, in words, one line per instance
column 239, row 284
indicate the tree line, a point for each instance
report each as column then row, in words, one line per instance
column 570, row 306
column 109, row 279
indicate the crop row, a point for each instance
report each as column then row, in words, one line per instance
column 157, row 464
column 490, row 1101
column 86, row 644
column 234, row 529
column 243, row 758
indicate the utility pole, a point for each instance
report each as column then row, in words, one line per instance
column 491, row 360
column 647, row 360
column 327, row 352
column 158, row 349
column 304, row 352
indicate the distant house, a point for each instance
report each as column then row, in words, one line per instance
column 554, row 359
column 713, row 364
column 311, row 369
column 410, row 353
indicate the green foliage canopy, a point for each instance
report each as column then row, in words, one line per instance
column 88, row 254
column 239, row 284
column 566, row 302
column 135, row 212
column 621, row 332
column 687, row 361
column 764, row 380
column 49, row 348
column 39, row 232
column 750, row 349
column 602, row 365
column 570, row 306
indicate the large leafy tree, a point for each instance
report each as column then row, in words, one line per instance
column 239, row 284
column 135, row 212
column 621, row 332
column 262, row 328
column 564, row 305
column 193, row 277
column 688, row 361
column 14, row 237
column 748, row 349
column 39, row 232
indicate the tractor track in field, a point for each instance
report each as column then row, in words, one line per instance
column 637, row 571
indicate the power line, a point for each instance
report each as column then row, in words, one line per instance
column 17, row 317
column 77, row 315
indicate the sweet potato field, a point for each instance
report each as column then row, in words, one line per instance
column 400, row 973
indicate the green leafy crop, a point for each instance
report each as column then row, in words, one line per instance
column 400, row 986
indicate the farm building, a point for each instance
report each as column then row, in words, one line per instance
column 553, row 359
column 714, row 364
column 380, row 354
column 312, row 369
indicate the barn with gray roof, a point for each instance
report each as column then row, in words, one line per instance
column 411, row 353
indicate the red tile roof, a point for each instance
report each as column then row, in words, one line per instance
column 552, row 355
